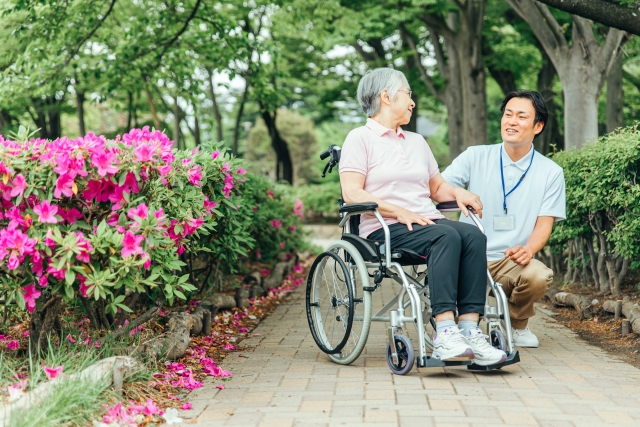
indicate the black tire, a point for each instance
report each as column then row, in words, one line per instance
column 330, row 302
column 406, row 356
column 498, row 340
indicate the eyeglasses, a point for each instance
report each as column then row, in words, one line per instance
column 409, row 91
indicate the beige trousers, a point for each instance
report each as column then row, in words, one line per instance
column 522, row 285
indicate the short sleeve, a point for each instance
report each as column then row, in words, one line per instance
column 432, row 163
column 458, row 173
column 354, row 154
column 554, row 200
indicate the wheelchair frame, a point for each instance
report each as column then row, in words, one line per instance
column 496, row 316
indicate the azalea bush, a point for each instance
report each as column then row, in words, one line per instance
column 108, row 221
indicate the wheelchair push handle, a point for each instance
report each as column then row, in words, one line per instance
column 453, row 207
column 333, row 153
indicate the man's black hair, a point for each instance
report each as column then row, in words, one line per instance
column 542, row 115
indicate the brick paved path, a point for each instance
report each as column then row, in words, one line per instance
column 286, row 381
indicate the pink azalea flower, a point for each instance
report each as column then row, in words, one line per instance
column 297, row 208
column 221, row 386
column 131, row 244
column 52, row 373
column 276, row 224
column 84, row 289
column 19, row 184
column 186, row 406
column 144, row 152
column 46, row 212
column 229, row 346
column 265, row 272
column 298, row 268
column 70, row 215
column 270, row 194
column 104, row 162
column 150, row 408
column 195, row 175
column 215, row 155
column 241, row 171
column 243, row 330
column 281, row 245
column 13, row 345
column 30, row 295
column 26, row 334
column 293, row 228
column 64, row 186
column 141, row 211
column 71, row 339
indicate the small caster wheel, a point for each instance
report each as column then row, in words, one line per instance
column 498, row 341
column 406, row 357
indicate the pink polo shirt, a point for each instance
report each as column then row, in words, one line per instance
column 397, row 166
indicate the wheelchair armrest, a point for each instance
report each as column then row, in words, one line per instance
column 358, row 207
column 448, row 206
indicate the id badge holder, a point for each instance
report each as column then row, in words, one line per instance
column 504, row 222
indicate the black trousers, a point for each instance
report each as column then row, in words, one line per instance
column 456, row 260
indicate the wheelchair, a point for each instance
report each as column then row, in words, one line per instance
column 339, row 295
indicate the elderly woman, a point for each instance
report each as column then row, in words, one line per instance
column 382, row 163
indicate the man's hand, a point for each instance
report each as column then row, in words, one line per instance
column 466, row 198
column 521, row 255
column 407, row 218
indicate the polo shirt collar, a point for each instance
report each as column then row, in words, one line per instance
column 380, row 130
column 521, row 164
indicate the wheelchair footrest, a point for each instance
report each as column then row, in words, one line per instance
column 513, row 357
column 431, row 362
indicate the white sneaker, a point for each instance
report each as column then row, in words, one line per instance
column 451, row 346
column 524, row 338
column 485, row 353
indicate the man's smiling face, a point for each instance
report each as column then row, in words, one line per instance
column 517, row 122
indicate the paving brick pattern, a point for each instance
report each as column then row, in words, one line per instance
column 286, row 381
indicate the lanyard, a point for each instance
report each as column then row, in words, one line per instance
column 505, row 194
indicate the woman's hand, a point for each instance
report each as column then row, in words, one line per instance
column 466, row 198
column 408, row 218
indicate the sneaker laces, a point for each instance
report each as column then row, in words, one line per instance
column 480, row 340
column 455, row 335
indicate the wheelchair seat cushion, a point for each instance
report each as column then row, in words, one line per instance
column 367, row 248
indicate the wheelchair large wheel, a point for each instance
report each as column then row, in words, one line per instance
column 338, row 308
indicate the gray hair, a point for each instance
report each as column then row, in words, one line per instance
column 373, row 83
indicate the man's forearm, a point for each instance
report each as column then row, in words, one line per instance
column 540, row 235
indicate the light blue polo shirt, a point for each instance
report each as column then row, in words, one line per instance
column 541, row 192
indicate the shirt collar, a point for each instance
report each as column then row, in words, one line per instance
column 521, row 164
column 380, row 130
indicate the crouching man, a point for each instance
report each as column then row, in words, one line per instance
column 523, row 194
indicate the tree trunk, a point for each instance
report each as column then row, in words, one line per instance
column 176, row 123
column 196, row 128
column 551, row 134
column 129, row 110
column 216, row 111
column 43, row 322
column 593, row 258
column 602, row 272
column 453, row 102
column 80, row 111
column 472, row 74
column 567, row 276
column 613, row 276
column 581, row 66
column 152, row 105
column 615, row 96
column 580, row 112
column 284, row 166
column 236, row 130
